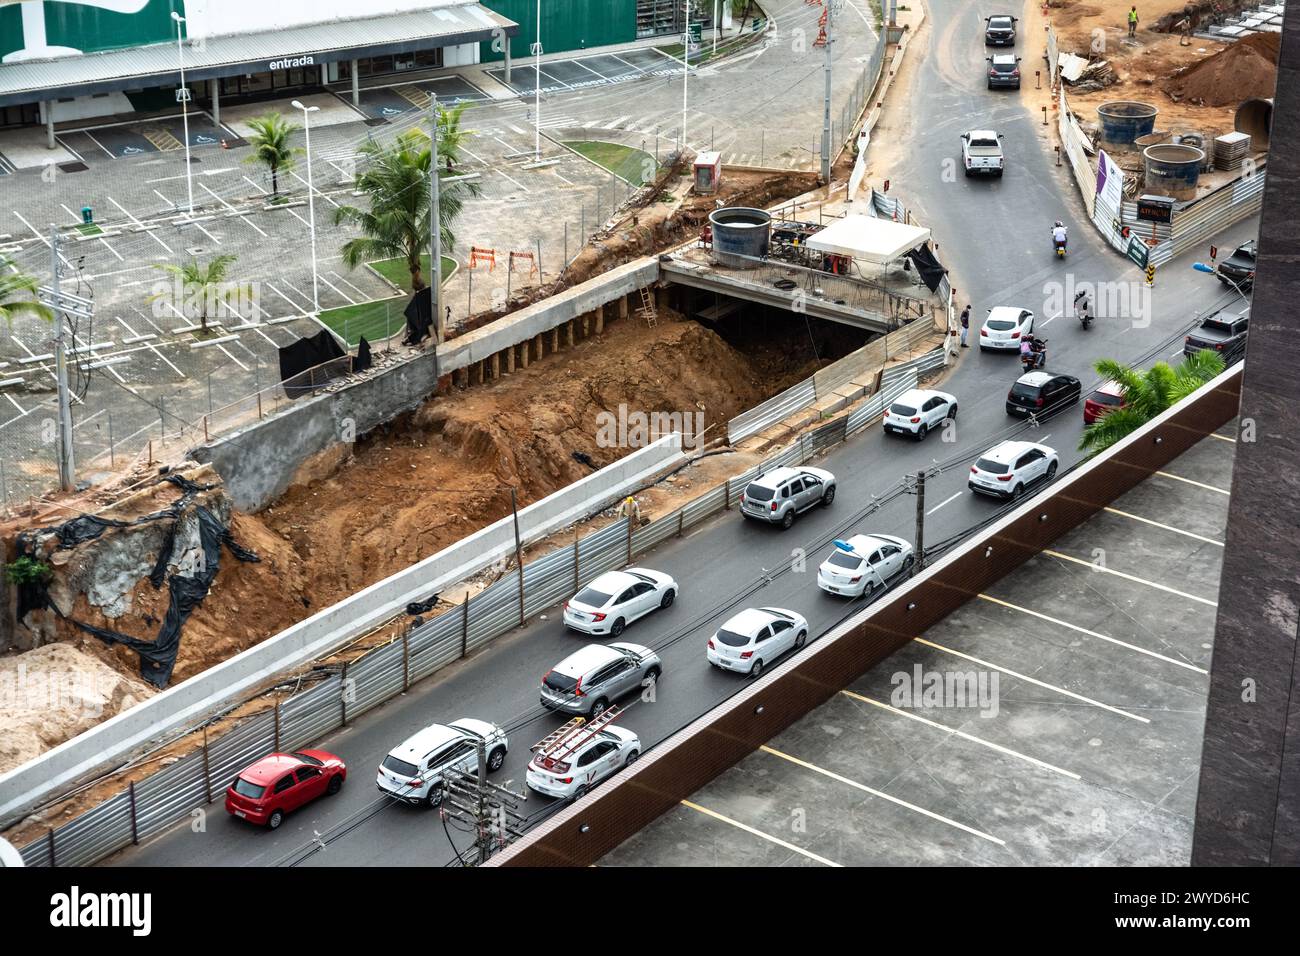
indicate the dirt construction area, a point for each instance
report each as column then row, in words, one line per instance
column 1196, row 84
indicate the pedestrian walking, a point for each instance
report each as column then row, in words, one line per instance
column 1132, row 21
column 965, row 325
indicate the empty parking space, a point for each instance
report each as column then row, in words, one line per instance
column 582, row 72
column 1054, row 720
column 454, row 89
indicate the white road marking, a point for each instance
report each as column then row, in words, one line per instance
column 882, row 795
column 942, row 503
column 230, row 208
column 1166, row 527
column 1030, row 680
column 1165, row 474
column 1083, row 630
column 962, row 734
column 148, row 232
column 1129, row 577
column 759, row 833
column 77, row 219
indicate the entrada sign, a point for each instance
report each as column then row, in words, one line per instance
column 291, row 62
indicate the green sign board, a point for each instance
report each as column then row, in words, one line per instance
column 1137, row 251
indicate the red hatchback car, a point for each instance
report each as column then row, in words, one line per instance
column 1107, row 398
column 281, row 783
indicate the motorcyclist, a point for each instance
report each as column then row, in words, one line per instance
column 1058, row 234
column 1033, row 352
column 1082, row 307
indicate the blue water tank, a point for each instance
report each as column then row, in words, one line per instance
column 1123, row 121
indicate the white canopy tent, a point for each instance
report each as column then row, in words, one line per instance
column 868, row 239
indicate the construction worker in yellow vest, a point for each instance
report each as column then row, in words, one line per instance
column 1132, row 21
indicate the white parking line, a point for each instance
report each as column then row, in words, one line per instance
column 108, row 152
column 324, row 196
column 345, row 281
column 230, row 208
column 963, row 735
column 43, row 239
column 151, row 346
column 77, row 219
column 1129, row 577
column 1222, row 437
column 1165, row 474
column 1030, row 680
column 759, row 833
column 1083, row 630
column 351, row 301
column 1165, row 527
column 137, row 222
column 942, row 503
column 882, row 795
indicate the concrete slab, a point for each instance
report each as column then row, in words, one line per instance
column 332, row 112
column 28, row 148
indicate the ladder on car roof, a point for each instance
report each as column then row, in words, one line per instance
column 575, row 733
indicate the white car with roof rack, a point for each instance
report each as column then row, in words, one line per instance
column 616, row 599
column 749, row 641
column 1006, row 470
column 572, row 760
column 864, row 563
column 413, row 770
column 918, row 410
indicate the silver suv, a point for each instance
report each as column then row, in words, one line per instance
column 782, row 493
column 588, row 681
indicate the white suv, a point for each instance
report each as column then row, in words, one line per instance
column 579, row 755
column 918, row 410
column 1006, row 470
column 413, row 770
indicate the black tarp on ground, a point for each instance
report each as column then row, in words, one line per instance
column 157, row 657
column 419, row 317
column 304, row 354
column 928, row 267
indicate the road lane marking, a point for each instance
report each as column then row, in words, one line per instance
column 1165, row 474
column 882, row 795
column 1222, row 437
column 942, row 503
column 1096, row 634
column 962, row 734
column 137, row 222
column 760, row 834
column 1166, row 527
column 1130, row 577
column 1031, row 680
column 230, row 208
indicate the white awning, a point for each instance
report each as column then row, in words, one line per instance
column 867, row 238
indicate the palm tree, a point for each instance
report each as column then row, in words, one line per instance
column 17, row 294
column 270, row 141
column 451, row 138
column 1147, row 394
column 201, row 286
column 396, row 226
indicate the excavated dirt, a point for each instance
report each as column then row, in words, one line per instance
column 1154, row 67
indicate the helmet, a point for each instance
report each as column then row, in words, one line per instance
column 1059, row 224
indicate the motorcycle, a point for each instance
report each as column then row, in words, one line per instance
column 1084, row 313
column 1059, row 244
column 1036, row 359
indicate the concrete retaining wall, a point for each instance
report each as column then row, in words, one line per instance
column 258, row 463
column 190, row 702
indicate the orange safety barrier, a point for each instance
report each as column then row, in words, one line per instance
column 477, row 255
column 532, row 260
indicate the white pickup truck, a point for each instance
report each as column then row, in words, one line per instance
column 981, row 153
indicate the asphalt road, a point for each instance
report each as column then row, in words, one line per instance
column 995, row 235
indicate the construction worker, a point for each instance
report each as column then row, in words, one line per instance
column 1132, row 21
column 630, row 507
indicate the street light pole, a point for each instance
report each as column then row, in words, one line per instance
column 67, row 466
column 537, row 88
column 183, row 94
column 826, row 106
column 717, row 26
column 686, row 73
column 435, row 228
column 311, row 204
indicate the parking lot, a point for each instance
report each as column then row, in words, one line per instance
column 558, row 76
column 1078, row 742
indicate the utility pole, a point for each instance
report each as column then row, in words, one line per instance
column 435, row 227
column 537, row 88
column 492, row 811
column 919, row 551
column 826, row 106
column 519, row 554
column 67, row 466
column 183, row 95
column 686, row 73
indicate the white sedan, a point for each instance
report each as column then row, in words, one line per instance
column 755, row 638
column 864, row 563
column 614, row 600
column 918, row 410
column 578, row 760
column 1004, row 328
